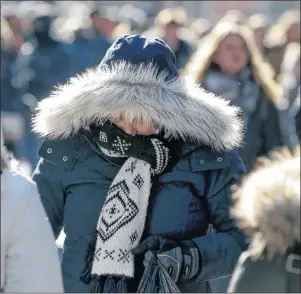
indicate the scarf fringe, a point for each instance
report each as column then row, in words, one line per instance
column 122, row 286
column 86, row 276
column 97, row 285
column 110, row 285
column 149, row 281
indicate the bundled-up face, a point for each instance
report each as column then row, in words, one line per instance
column 232, row 55
column 135, row 128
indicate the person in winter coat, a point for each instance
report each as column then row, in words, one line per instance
column 229, row 64
column 39, row 67
column 268, row 208
column 29, row 258
column 134, row 158
column 290, row 106
column 170, row 26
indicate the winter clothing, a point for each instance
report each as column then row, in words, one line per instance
column 122, row 217
column 268, row 209
column 29, row 259
column 137, row 50
column 253, row 90
column 74, row 176
column 288, row 115
column 39, row 67
column 93, row 48
column 290, row 104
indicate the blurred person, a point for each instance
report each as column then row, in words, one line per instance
column 134, row 17
column 258, row 23
column 81, row 40
column 29, row 258
column 39, row 66
column 267, row 208
column 104, row 20
column 274, row 46
column 230, row 65
column 290, row 21
column 169, row 21
column 201, row 27
column 233, row 16
column 120, row 30
column 11, row 104
column 17, row 32
column 113, row 127
column 290, row 106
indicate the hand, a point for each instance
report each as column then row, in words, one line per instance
column 180, row 259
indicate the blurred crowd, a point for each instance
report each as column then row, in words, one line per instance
column 41, row 48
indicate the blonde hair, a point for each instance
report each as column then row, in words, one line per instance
column 291, row 57
column 257, row 21
column 288, row 19
column 267, row 203
column 120, row 30
column 177, row 15
column 201, row 59
column 6, row 33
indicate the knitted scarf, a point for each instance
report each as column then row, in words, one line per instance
column 109, row 260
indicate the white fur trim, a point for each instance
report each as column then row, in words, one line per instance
column 181, row 108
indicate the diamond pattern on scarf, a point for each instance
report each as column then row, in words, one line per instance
column 121, row 145
column 119, row 210
column 103, row 137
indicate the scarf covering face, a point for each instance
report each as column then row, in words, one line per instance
column 122, row 218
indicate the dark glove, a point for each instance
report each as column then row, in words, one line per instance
column 180, row 259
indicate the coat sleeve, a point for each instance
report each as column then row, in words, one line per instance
column 31, row 263
column 51, row 193
column 220, row 250
column 270, row 128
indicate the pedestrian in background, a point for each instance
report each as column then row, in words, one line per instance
column 29, row 258
column 230, row 64
column 267, row 208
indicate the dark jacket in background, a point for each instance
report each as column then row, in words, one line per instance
column 86, row 52
column 182, row 53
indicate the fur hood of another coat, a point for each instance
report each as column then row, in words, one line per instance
column 141, row 94
column 267, row 204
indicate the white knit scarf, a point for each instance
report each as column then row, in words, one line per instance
column 122, row 217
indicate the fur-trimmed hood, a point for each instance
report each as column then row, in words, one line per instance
column 139, row 93
column 267, row 204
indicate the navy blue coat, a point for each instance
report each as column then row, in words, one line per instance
column 192, row 195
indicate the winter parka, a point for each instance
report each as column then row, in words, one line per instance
column 73, row 177
column 268, row 209
column 262, row 132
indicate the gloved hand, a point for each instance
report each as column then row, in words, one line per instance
column 180, row 259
